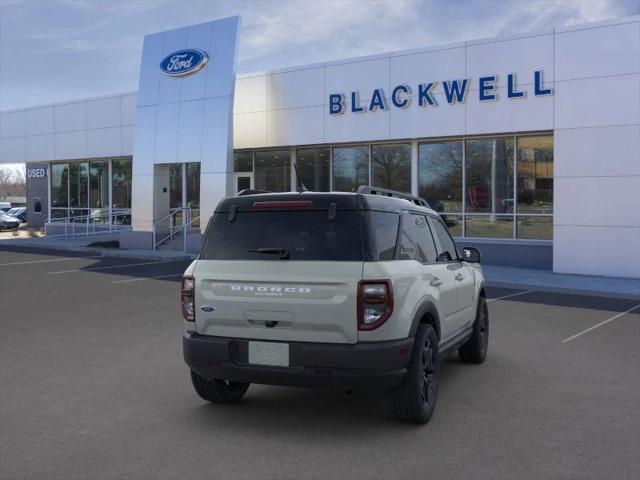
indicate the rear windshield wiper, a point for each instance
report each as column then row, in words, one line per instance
column 283, row 252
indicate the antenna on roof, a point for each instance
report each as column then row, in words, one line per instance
column 300, row 186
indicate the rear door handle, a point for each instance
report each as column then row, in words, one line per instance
column 459, row 277
column 436, row 282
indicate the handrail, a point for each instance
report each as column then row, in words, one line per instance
column 92, row 226
column 186, row 213
column 186, row 230
column 187, row 222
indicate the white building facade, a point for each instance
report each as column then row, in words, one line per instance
column 528, row 145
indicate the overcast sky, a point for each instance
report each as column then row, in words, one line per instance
column 56, row 50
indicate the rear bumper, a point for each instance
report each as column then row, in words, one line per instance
column 375, row 365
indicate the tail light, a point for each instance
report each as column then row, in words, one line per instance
column 375, row 303
column 187, row 298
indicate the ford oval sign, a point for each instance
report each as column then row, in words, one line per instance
column 184, row 62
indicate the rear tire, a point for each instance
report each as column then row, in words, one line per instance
column 218, row 391
column 475, row 349
column 415, row 399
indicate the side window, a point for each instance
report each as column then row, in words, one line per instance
column 424, row 241
column 447, row 245
column 383, row 227
column 416, row 242
column 406, row 248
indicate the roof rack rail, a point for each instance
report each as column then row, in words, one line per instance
column 392, row 193
column 250, row 191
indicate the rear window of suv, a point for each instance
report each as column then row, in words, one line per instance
column 284, row 235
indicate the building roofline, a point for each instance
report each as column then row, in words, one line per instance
column 365, row 58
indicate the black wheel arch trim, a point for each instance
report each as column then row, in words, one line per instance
column 427, row 308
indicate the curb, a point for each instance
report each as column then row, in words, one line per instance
column 564, row 290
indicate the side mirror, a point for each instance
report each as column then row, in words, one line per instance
column 471, row 255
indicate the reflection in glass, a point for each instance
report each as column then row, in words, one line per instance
column 59, row 213
column 536, row 228
column 391, row 166
column 350, row 168
column 489, row 226
column 489, row 172
column 453, row 223
column 535, row 174
column 272, row 171
column 121, row 182
column 98, row 184
column 175, row 185
column 243, row 161
column 193, row 191
column 440, row 175
column 313, row 168
column 78, row 184
column 59, row 185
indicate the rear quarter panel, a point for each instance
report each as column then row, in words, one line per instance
column 410, row 290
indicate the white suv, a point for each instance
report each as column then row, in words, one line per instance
column 335, row 290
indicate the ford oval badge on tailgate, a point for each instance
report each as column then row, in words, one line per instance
column 207, row 308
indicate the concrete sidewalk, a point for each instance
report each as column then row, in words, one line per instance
column 547, row 281
column 80, row 244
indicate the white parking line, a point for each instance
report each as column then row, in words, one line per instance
column 47, row 261
column 510, row 296
column 146, row 278
column 107, row 267
column 600, row 324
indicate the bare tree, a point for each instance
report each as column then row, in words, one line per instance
column 12, row 183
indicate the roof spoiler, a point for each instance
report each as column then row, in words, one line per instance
column 392, row 193
column 250, row 191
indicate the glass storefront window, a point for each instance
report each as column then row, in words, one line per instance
column 193, row 191
column 313, row 168
column 59, row 185
column 243, row 161
column 489, row 173
column 121, row 182
column 535, row 174
column 489, row 226
column 534, row 227
column 440, row 175
column 175, row 185
column 509, row 179
column 453, row 223
column 78, row 184
column 350, row 168
column 391, row 166
column 99, row 184
column 272, row 170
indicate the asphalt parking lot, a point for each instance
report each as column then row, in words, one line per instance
column 93, row 385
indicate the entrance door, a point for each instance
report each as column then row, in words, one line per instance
column 243, row 181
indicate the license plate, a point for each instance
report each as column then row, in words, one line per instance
column 269, row 353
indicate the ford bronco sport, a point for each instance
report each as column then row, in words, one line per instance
column 351, row 291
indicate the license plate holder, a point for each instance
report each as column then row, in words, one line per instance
column 274, row 354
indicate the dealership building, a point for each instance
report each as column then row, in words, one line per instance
column 528, row 145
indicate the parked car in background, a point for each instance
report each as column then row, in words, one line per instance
column 20, row 213
column 5, row 206
column 8, row 222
